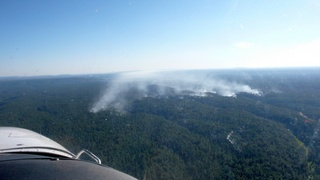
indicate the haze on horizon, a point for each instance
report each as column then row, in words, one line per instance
column 88, row 37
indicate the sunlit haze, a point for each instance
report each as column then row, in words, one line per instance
column 87, row 37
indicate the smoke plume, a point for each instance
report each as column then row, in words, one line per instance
column 128, row 87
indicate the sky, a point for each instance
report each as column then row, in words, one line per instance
column 39, row 37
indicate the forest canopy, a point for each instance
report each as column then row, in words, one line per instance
column 210, row 124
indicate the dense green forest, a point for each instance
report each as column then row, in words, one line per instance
column 179, row 136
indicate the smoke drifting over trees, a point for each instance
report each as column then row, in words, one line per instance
column 131, row 86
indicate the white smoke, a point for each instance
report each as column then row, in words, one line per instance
column 128, row 87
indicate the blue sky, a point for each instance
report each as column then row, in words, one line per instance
column 82, row 37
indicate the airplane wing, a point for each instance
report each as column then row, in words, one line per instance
column 25, row 154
